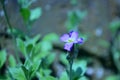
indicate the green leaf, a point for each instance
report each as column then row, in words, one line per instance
column 80, row 64
column 50, row 78
column 74, row 18
column 63, row 59
column 64, row 76
column 25, row 12
column 28, row 63
column 33, row 40
column 21, row 46
column 35, row 14
column 50, row 58
column 83, row 78
column 26, row 72
column 37, row 48
column 29, row 48
column 113, row 77
column 12, row 61
column 51, row 37
column 114, row 25
column 17, row 73
column 34, row 68
column 3, row 56
column 44, row 72
column 46, row 46
column 73, row 2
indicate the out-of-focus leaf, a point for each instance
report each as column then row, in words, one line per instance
column 29, row 48
column 50, row 58
column 17, row 73
column 34, row 68
column 17, row 33
column 3, row 55
column 103, row 43
column 28, row 63
column 21, row 46
column 25, row 3
column 113, row 77
column 33, row 40
column 83, row 78
column 45, row 72
column 64, row 76
column 50, row 78
column 26, row 72
column 114, row 25
column 25, row 12
column 37, row 48
column 80, row 64
column 52, row 37
column 73, row 2
column 12, row 61
column 74, row 18
column 63, row 59
column 35, row 14
column 31, row 43
column 46, row 46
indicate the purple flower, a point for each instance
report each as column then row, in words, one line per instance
column 70, row 39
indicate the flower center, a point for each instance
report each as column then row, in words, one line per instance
column 70, row 40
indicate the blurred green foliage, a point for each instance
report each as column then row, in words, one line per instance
column 29, row 15
column 74, row 19
column 38, row 51
column 3, row 56
column 114, row 25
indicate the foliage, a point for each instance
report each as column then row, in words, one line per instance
column 74, row 19
column 29, row 15
column 3, row 56
column 37, row 52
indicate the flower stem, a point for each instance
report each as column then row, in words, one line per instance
column 10, row 27
column 6, row 16
column 70, row 72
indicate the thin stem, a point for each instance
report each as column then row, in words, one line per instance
column 6, row 16
column 70, row 72
column 10, row 27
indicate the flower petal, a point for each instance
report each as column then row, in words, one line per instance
column 74, row 35
column 68, row 46
column 64, row 38
column 80, row 40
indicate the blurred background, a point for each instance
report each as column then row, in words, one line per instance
column 96, row 20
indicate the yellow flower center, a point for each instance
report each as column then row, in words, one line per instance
column 70, row 40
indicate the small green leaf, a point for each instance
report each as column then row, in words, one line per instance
column 50, row 78
column 113, row 77
column 46, row 46
column 21, row 46
column 37, row 48
column 12, row 61
column 35, row 14
column 80, row 64
column 74, row 18
column 73, row 2
column 52, row 37
column 29, row 48
column 63, row 59
column 50, row 58
column 34, row 68
column 3, row 55
column 64, row 76
column 114, row 25
column 26, row 72
column 25, row 12
column 17, row 73
column 83, row 78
